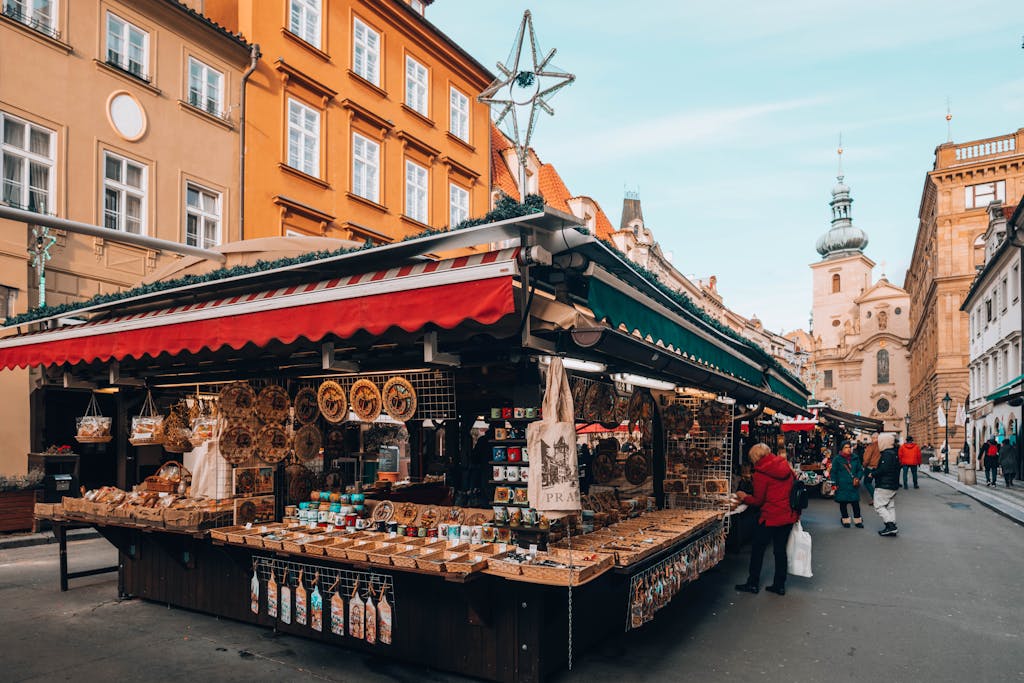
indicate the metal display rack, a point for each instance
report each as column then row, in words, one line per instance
column 330, row 579
column 699, row 461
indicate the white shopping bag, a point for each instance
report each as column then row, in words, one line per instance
column 798, row 552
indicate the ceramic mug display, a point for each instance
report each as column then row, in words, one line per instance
column 514, row 453
column 499, row 454
column 511, row 474
column 498, row 473
column 500, row 514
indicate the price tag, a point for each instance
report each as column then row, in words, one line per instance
column 330, row 528
column 392, row 534
column 312, row 525
column 452, row 542
column 502, row 547
column 248, row 525
column 263, row 529
column 533, row 548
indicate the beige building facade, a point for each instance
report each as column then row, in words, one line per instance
column 119, row 114
column 860, row 332
column 949, row 248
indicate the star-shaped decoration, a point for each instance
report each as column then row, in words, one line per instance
column 527, row 81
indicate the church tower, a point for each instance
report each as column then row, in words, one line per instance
column 844, row 272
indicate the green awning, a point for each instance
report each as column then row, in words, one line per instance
column 1005, row 389
column 783, row 390
column 609, row 304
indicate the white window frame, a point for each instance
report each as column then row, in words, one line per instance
column 418, row 7
column 417, row 189
column 204, row 216
column 365, row 51
column 124, row 30
column 973, row 200
column 1015, row 282
column 458, row 118
column 1004, row 298
column 417, row 86
column 458, row 204
column 124, row 190
column 365, row 168
column 25, row 158
column 199, row 86
column 40, row 15
column 303, row 147
column 305, row 20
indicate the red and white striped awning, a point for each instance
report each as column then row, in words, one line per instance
column 800, row 424
column 440, row 293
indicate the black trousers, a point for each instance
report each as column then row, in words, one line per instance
column 856, row 509
column 776, row 536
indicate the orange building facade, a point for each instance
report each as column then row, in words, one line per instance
column 362, row 120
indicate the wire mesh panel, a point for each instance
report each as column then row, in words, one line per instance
column 435, row 390
column 698, row 444
column 330, row 579
column 654, row 587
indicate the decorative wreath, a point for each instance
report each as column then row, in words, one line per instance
column 599, row 404
column 604, row 468
column 272, row 444
column 454, row 515
column 332, row 402
column 272, row 404
column 677, row 418
column 429, row 517
column 246, row 513
column 308, row 442
column 407, row 513
column 306, row 408
column 365, row 400
column 714, row 417
column 637, row 469
column 237, row 400
column 384, row 511
column 477, row 518
column 399, row 398
column 237, row 444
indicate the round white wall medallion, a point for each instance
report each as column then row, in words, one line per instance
column 127, row 117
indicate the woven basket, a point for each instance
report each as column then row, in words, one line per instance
column 339, row 549
column 383, row 553
column 467, row 563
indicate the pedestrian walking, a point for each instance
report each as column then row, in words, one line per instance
column 887, row 483
column 847, row 472
column 870, row 462
column 991, row 462
column 1008, row 461
column 910, row 458
column 773, row 481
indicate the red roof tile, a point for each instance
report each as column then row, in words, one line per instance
column 502, row 177
column 553, row 189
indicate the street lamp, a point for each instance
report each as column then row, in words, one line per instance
column 946, row 400
column 906, row 420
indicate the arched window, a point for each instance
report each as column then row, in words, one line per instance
column 835, row 283
column 882, row 359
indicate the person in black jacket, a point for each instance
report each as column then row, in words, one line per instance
column 887, row 483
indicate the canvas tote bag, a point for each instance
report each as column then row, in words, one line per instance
column 551, row 442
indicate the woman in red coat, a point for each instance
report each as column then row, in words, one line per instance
column 773, row 480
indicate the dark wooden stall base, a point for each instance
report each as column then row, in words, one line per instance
column 486, row 627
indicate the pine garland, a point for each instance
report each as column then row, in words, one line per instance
column 505, row 208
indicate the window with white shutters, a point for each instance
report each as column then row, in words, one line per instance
column 415, row 191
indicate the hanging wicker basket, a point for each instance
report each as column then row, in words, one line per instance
column 93, row 427
column 147, row 426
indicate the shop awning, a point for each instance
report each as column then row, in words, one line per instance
column 610, row 304
column 440, row 294
column 833, row 417
column 1005, row 390
column 799, row 424
column 784, row 390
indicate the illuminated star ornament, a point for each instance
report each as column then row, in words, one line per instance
column 527, row 82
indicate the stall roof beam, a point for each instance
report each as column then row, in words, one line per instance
column 33, row 218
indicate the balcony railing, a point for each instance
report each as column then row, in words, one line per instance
column 33, row 20
column 206, row 107
column 986, row 148
column 127, row 66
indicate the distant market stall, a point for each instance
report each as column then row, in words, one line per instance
column 293, row 443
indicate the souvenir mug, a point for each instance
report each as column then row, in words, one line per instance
column 500, row 514
column 476, row 534
column 495, row 413
column 465, row 534
column 499, row 454
column 530, row 413
column 498, row 473
column 454, row 532
column 487, row 534
column 507, row 413
column 514, row 453
column 524, row 454
column 500, row 434
column 524, row 474
column 504, row 535
column 511, row 474
column 442, row 530
column 518, row 413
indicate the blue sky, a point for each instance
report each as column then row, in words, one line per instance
column 725, row 115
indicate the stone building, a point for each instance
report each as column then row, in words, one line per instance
column 860, row 327
column 119, row 114
column 994, row 310
column 949, row 248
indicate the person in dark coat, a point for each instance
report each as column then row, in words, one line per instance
column 1008, row 461
column 847, row 472
column 990, row 452
column 887, row 483
column 773, row 480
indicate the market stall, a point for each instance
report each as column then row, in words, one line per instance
column 266, row 422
